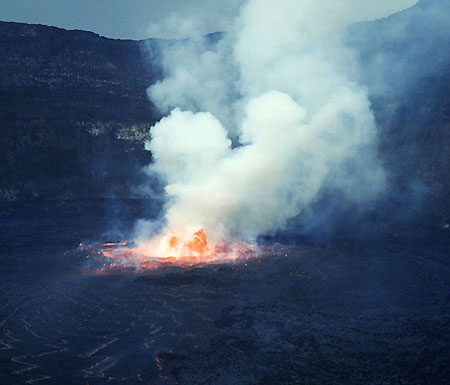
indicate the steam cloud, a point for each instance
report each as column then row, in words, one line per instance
column 264, row 121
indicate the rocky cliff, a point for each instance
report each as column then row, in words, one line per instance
column 405, row 61
column 73, row 111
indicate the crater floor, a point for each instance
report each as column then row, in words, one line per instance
column 373, row 312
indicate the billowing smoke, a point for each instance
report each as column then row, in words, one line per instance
column 265, row 119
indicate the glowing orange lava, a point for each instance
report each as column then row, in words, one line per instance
column 170, row 249
column 199, row 243
column 113, row 244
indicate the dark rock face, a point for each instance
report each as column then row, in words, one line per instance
column 74, row 112
column 405, row 62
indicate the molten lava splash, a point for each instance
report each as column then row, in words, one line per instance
column 175, row 250
column 197, row 246
column 199, row 243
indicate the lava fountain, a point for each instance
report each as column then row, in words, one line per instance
column 166, row 250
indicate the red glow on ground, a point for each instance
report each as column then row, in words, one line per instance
column 171, row 249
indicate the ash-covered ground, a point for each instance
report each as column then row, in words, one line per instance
column 338, row 312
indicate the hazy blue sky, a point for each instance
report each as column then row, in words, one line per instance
column 131, row 19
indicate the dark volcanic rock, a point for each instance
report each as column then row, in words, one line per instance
column 73, row 110
column 405, row 61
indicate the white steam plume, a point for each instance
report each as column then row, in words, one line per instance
column 280, row 85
